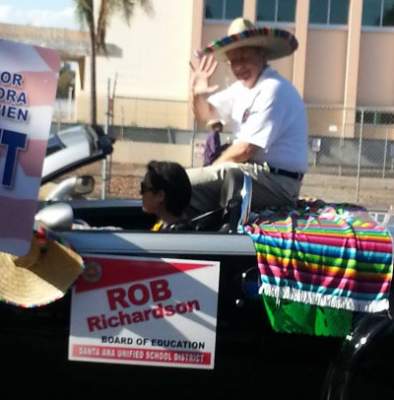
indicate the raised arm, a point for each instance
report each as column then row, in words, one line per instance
column 201, row 71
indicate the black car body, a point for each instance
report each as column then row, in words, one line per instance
column 250, row 358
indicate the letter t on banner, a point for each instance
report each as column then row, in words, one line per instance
column 28, row 82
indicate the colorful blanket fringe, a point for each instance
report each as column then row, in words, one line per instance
column 326, row 255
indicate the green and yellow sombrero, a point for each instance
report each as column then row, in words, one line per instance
column 277, row 43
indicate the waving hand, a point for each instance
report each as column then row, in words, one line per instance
column 202, row 70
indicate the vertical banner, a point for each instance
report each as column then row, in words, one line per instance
column 28, row 82
column 145, row 311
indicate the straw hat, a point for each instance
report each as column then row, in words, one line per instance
column 40, row 277
column 277, row 43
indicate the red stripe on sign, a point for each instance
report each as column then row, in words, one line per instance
column 32, row 159
column 142, row 355
column 40, row 86
column 106, row 272
column 51, row 57
column 17, row 218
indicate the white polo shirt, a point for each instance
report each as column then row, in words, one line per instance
column 271, row 116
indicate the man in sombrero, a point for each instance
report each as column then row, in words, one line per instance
column 265, row 111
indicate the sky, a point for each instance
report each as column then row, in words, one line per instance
column 44, row 13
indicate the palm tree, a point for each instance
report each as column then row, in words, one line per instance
column 86, row 15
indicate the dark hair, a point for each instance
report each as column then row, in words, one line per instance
column 172, row 178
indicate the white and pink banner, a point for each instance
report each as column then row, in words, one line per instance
column 28, row 82
column 145, row 311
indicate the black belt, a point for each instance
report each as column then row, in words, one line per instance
column 295, row 175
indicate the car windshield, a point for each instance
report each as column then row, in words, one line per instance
column 75, row 135
column 54, row 144
column 72, row 148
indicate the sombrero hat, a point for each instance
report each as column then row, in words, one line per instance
column 215, row 121
column 40, row 277
column 277, row 43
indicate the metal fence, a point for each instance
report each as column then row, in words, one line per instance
column 351, row 152
column 351, row 155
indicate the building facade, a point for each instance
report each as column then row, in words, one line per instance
column 343, row 67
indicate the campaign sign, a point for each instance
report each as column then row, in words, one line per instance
column 28, row 81
column 145, row 311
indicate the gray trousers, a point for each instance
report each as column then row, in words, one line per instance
column 268, row 189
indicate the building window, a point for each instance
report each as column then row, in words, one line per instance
column 329, row 12
column 276, row 10
column 375, row 118
column 378, row 13
column 223, row 9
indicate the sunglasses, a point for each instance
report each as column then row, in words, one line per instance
column 146, row 188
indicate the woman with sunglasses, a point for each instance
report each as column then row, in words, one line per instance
column 166, row 192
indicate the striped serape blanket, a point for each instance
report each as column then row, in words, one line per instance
column 326, row 255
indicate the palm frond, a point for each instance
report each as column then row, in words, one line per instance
column 102, row 24
column 84, row 11
column 126, row 8
column 110, row 7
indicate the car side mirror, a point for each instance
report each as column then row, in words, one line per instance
column 73, row 187
column 84, row 185
column 57, row 216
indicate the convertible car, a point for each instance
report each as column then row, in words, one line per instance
column 175, row 313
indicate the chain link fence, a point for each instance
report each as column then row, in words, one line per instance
column 351, row 154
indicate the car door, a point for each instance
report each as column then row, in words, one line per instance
column 236, row 321
column 245, row 347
